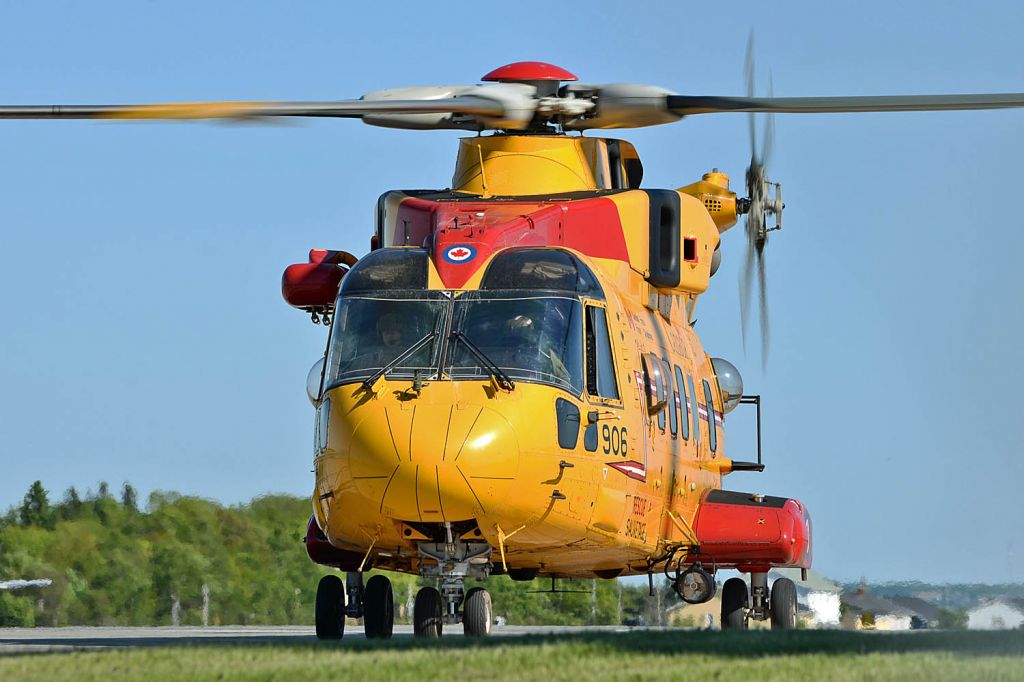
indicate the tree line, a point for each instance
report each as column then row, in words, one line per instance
column 191, row 561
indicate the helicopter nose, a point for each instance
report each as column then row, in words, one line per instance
column 434, row 462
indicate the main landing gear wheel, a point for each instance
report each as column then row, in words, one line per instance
column 783, row 604
column 330, row 608
column 378, row 608
column 476, row 613
column 734, row 604
column 427, row 614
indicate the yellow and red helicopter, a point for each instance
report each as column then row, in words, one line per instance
column 512, row 383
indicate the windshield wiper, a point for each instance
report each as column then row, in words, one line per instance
column 504, row 381
column 402, row 357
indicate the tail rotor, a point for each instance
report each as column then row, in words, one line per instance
column 764, row 197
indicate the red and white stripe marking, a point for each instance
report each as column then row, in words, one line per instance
column 633, row 469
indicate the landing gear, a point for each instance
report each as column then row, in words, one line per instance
column 476, row 613
column 452, row 561
column 330, row 608
column 378, row 608
column 783, row 604
column 734, row 604
column 373, row 602
column 778, row 604
column 354, row 588
column 427, row 614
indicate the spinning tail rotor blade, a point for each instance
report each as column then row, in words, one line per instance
column 746, row 279
column 749, row 74
column 762, row 292
column 756, row 217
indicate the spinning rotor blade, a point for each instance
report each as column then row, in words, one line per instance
column 690, row 105
column 756, row 216
column 472, row 106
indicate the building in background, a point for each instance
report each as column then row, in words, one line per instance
column 923, row 614
column 863, row 610
column 997, row 614
column 818, row 598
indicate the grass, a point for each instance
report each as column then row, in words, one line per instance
column 657, row 655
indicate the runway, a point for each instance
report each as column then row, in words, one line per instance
column 38, row 640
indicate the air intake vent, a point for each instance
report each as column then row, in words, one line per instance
column 712, row 204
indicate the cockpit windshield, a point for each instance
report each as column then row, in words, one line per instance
column 531, row 336
column 370, row 332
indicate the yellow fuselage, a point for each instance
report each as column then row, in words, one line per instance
column 396, row 456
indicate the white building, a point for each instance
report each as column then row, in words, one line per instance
column 818, row 597
column 865, row 610
column 997, row 614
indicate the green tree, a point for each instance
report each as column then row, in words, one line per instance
column 129, row 498
column 15, row 611
column 35, row 508
column 71, row 506
column 952, row 620
column 103, row 504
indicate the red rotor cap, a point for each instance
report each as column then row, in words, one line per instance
column 529, row 71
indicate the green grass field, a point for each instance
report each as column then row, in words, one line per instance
column 661, row 655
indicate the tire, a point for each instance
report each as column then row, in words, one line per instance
column 330, row 608
column 427, row 614
column 782, row 604
column 378, row 608
column 476, row 613
column 735, row 601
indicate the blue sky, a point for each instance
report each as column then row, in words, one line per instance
column 143, row 336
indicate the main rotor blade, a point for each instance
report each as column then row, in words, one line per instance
column 689, row 105
column 473, row 106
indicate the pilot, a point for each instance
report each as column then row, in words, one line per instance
column 526, row 350
column 389, row 331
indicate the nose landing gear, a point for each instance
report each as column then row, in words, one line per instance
column 453, row 561
column 778, row 604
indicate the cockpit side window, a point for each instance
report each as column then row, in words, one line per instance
column 600, row 361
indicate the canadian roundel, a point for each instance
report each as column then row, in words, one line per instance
column 460, row 254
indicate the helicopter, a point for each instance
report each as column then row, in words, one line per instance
column 511, row 382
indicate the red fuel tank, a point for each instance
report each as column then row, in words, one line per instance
column 752, row 532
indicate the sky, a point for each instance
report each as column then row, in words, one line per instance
column 143, row 337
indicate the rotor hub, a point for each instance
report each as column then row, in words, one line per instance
column 541, row 75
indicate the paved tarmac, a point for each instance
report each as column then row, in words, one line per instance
column 29, row 640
